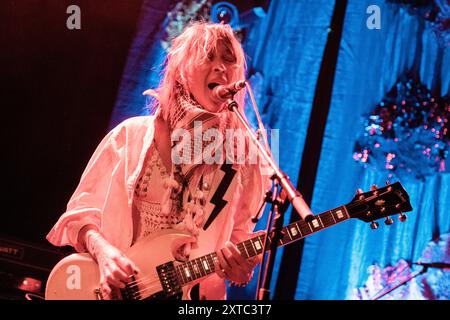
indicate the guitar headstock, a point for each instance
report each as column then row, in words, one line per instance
column 379, row 203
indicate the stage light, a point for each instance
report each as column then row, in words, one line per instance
column 238, row 14
column 225, row 12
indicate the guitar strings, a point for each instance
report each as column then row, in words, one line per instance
column 152, row 284
column 357, row 202
column 146, row 279
column 148, row 282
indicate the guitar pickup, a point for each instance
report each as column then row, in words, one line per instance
column 169, row 280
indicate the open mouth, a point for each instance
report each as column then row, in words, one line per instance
column 212, row 85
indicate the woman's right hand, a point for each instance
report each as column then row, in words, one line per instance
column 115, row 268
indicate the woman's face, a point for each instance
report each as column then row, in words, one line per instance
column 217, row 70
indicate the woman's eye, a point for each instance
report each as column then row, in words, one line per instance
column 210, row 56
column 229, row 58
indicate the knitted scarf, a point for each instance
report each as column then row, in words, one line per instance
column 184, row 184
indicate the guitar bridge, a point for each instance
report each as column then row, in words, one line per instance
column 169, row 280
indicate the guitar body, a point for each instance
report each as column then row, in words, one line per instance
column 77, row 276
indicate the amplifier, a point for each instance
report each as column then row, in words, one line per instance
column 25, row 266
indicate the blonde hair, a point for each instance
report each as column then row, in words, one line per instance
column 190, row 49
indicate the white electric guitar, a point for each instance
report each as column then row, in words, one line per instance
column 161, row 277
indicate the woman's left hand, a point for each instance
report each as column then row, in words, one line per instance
column 234, row 267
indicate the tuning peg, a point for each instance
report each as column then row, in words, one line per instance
column 374, row 188
column 358, row 192
column 374, row 225
column 388, row 221
column 402, row 217
column 388, row 182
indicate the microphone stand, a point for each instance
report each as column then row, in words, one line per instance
column 273, row 235
column 289, row 192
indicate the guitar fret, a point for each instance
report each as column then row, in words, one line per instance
column 331, row 213
column 310, row 229
column 241, row 249
column 333, row 217
column 288, row 238
column 209, row 259
column 259, row 244
column 314, row 224
column 245, row 248
column 320, row 220
column 250, row 248
column 264, row 241
column 183, row 274
column 180, row 274
column 211, row 263
column 339, row 213
column 254, row 249
column 214, row 259
column 199, row 267
column 289, row 233
column 304, row 227
column 186, row 271
column 207, row 265
column 194, row 269
column 191, row 270
column 327, row 219
column 298, row 229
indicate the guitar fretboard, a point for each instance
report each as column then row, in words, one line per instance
column 200, row 267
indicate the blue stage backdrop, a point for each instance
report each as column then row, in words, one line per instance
column 335, row 261
column 285, row 51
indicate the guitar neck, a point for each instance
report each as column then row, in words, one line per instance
column 203, row 266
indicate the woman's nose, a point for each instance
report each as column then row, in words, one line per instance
column 219, row 67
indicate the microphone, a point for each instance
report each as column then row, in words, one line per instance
column 223, row 92
column 440, row 265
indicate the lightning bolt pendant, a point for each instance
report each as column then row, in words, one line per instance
column 217, row 198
